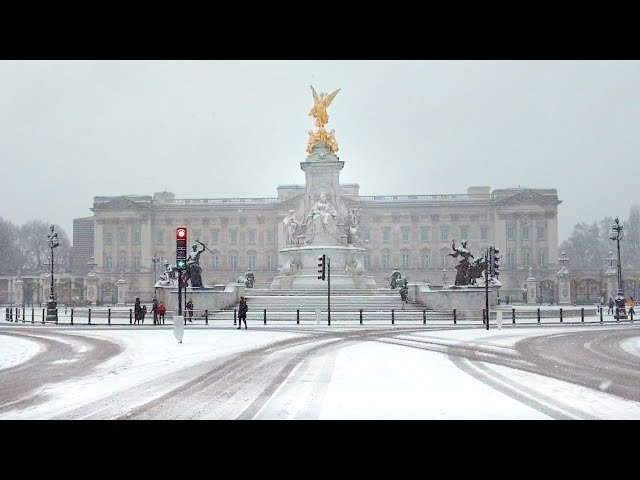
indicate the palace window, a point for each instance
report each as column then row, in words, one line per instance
column 542, row 258
column 122, row 236
column 215, row 262
column 252, row 236
column 233, row 236
column 160, row 237
column 511, row 259
column 525, row 233
column 270, row 237
column 526, row 258
column 425, row 234
column 122, row 261
column 233, row 261
column 136, row 237
column 511, row 232
column 385, row 261
column 425, row 260
column 464, row 233
column 484, row 233
column 405, row 234
column 445, row 258
column 444, row 233
column 386, row 234
column 108, row 262
column 108, row 238
column 405, row 259
column 271, row 264
column 367, row 261
column 215, row 237
column 136, row 262
column 540, row 233
column 252, row 260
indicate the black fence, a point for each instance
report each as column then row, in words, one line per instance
column 120, row 316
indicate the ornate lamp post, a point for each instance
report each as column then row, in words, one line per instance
column 616, row 236
column 155, row 261
column 52, row 305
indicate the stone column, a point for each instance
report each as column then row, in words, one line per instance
column 19, row 291
column 612, row 284
column 91, row 282
column 564, row 284
column 532, row 288
column 121, row 291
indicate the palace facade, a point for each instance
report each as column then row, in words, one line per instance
column 411, row 232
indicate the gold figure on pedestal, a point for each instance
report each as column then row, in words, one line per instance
column 319, row 111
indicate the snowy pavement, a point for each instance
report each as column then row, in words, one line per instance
column 311, row 373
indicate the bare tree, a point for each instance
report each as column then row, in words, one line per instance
column 11, row 258
column 33, row 241
column 588, row 246
column 632, row 237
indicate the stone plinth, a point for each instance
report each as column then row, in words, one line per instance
column 564, row 288
column 300, row 268
column 91, row 292
column 214, row 298
column 468, row 300
column 121, row 287
column 19, row 287
column 532, row 289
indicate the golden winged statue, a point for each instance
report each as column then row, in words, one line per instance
column 320, row 105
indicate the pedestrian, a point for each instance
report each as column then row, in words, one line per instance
column 242, row 313
column 154, row 309
column 161, row 311
column 632, row 305
column 610, row 312
column 143, row 313
column 137, row 311
column 190, row 309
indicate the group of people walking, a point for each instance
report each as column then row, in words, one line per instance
column 140, row 311
column 612, row 305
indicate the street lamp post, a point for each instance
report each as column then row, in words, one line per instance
column 52, row 305
column 155, row 261
column 616, row 236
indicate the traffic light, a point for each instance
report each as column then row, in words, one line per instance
column 181, row 248
column 322, row 262
column 494, row 261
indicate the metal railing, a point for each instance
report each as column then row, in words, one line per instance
column 113, row 316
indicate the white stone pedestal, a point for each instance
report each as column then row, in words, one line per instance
column 122, row 292
column 564, row 289
column 19, row 288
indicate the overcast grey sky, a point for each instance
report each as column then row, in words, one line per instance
column 70, row 130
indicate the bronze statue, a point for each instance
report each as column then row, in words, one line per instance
column 463, row 275
column 395, row 277
column 193, row 271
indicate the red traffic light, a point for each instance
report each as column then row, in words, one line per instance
column 181, row 233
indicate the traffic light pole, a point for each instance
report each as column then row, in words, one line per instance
column 486, row 293
column 329, row 290
column 179, row 292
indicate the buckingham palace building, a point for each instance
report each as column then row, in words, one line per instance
column 134, row 235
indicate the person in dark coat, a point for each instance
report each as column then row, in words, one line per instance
column 190, row 309
column 137, row 311
column 242, row 313
column 143, row 313
column 154, row 309
column 611, row 304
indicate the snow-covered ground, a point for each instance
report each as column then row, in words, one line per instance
column 14, row 351
column 362, row 380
